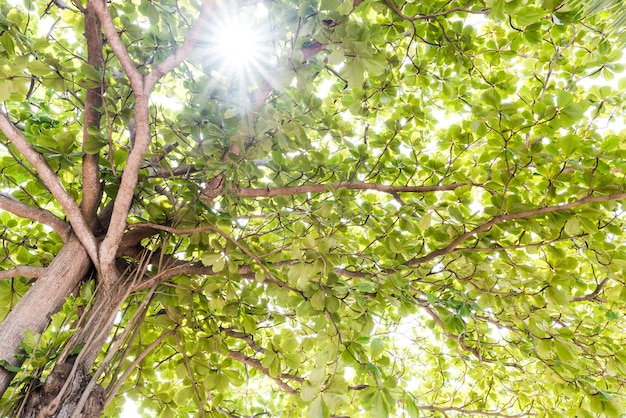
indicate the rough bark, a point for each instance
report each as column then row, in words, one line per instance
column 41, row 401
column 45, row 297
column 92, row 189
column 69, row 390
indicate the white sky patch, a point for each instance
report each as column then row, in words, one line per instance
column 324, row 88
column 475, row 20
column 476, row 206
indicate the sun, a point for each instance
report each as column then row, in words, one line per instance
column 239, row 42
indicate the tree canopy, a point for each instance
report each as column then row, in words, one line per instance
column 315, row 208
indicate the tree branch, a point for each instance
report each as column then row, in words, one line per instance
column 352, row 185
column 593, row 295
column 23, row 271
column 456, row 338
column 92, row 190
column 269, row 277
column 248, row 338
column 131, row 367
column 430, row 16
column 471, row 412
column 23, row 210
column 256, row 364
column 181, row 53
column 517, row 247
column 54, row 185
column 103, row 14
column 194, row 383
column 141, row 89
column 511, row 216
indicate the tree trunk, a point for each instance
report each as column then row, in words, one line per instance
column 67, row 392
column 44, row 298
column 61, row 394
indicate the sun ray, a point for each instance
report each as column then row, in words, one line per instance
column 239, row 43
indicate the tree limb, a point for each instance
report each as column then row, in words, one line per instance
column 54, row 185
column 431, row 16
column 181, row 53
column 131, row 367
column 511, row 216
column 141, row 89
column 352, row 185
column 92, row 190
column 248, row 338
column 23, row 210
column 593, row 295
column 256, row 364
column 478, row 412
column 269, row 276
column 103, row 14
column 23, row 271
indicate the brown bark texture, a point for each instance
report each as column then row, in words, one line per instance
column 44, row 298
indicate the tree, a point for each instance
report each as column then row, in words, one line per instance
column 384, row 208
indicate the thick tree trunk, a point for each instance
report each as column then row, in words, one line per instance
column 61, row 394
column 44, row 298
column 67, row 392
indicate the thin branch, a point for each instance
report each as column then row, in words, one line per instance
column 517, row 247
column 54, row 185
column 134, row 76
column 23, row 271
column 181, row 53
column 245, row 337
column 593, row 295
column 430, row 16
column 472, row 412
column 256, row 364
column 269, row 278
column 353, row 185
column 456, row 338
column 135, row 363
column 23, row 210
column 511, row 216
column 194, row 383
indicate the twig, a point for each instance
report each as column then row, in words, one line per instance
column 23, row 210
column 23, row 271
column 353, row 185
column 511, row 216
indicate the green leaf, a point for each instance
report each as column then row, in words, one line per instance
column 531, row 14
column 94, row 143
column 91, row 73
column 309, row 392
column 565, row 350
column 411, row 408
column 345, row 7
column 318, row 409
column 572, row 226
column 39, row 68
column 6, row 366
column 557, row 296
column 5, row 90
column 377, row 346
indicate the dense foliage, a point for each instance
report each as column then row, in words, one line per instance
column 388, row 208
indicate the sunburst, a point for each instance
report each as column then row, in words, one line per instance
column 239, row 43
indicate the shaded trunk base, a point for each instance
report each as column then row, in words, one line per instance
column 61, row 394
column 67, row 391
